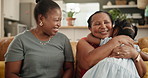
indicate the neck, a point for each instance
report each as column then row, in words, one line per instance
column 39, row 34
column 94, row 36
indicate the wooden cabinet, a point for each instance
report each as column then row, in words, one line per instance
column 11, row 9
column 74, row 33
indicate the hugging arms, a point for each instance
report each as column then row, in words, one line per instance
column 89, row 54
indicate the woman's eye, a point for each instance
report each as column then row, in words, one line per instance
column 106, row 22
column 56, row 20
column 97, row 24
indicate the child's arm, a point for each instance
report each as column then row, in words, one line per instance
column 144, row 56
column 92, row 39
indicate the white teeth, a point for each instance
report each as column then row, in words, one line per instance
column 106, row 30
column 102, row 32
column 56, row 29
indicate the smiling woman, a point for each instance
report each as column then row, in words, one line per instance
column 43, row 47
column 109, row 54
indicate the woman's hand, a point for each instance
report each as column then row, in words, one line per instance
column 124, row 51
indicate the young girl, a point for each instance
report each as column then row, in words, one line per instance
column 111, row 67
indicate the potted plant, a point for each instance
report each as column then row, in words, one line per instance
column 117, row 14
column 70, row 19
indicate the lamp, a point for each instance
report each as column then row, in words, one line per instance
column 141, row 4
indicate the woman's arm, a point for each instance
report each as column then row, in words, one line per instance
column 140, row 65
column 12, row 69
column 87, row 56
column 92, row 39
column 68, row 70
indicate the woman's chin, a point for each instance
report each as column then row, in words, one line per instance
column 103, row 37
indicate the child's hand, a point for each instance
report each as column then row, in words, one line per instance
column 122, row 39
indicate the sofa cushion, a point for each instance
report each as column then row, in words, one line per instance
column 145, row 50
column 4, row 43
column 2, row 69
column 143, row 42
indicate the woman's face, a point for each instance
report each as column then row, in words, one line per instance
column 52, row 22
column 101, row 25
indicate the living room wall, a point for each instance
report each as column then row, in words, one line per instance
column 1, row 19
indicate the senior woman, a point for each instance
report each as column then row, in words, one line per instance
column 41, row 52
column 100, row 24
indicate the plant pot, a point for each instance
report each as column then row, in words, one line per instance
column 141, row 4
column 70, row 21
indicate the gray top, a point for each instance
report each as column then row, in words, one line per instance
column 40, row 61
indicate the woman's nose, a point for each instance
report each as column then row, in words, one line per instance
column 59, row 24
column 103, row 26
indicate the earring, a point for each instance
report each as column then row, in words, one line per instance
column 41, row 24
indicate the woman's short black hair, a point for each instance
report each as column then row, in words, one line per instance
column 43, row 6
column 89, row 20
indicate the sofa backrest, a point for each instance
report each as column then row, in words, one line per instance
column 4, row 43
column 143, row 42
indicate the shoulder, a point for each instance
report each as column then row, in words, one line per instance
column 22, row 35
column 82, row 41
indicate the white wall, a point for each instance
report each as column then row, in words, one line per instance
column 27, row 1
column 1, row 19
column 86, row 9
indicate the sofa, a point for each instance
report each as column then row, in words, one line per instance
column 4, row 43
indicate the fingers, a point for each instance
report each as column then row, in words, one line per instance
column 119, row 55
column 120, row 52
column 124, row 39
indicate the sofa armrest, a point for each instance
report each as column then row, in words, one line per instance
column 4, row 43
column 2, row 69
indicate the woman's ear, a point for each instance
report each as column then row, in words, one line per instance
column 40, row 18
column 90, row 29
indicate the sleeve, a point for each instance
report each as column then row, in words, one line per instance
column 68, row 51
column 15, row 51
column 137, row 48
column 104, row 41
